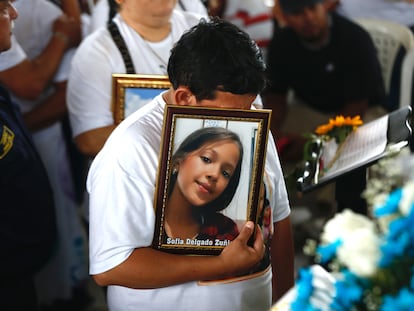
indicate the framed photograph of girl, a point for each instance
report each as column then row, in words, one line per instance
column 132, row 91
column 209, row 177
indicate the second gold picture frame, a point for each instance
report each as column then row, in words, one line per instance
column 132, row 91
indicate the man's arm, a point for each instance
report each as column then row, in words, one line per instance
column 282, row 257
column 91, row 142
column 29, row 78
column 149, row 268
column 71, row 8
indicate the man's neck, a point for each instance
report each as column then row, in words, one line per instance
column 322, row 41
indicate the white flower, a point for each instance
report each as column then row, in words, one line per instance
column 344, row 223
column 360, row 251
column 407, row 198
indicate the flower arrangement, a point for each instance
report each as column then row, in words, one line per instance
column 322, row 148
column 370, row 259
column 336, row 131
column 339, row 128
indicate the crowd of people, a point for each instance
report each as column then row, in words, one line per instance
column 77, row 189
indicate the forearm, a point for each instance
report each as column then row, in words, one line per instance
column 282, row 254
column 71, row 8
column 29, row 78
column 91, row 142
column 52, row 109
column 148, row 268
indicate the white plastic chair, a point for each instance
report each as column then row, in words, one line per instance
column 388, row 38
column 407, row 75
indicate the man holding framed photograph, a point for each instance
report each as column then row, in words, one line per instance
column 209, row 177
column 216, row 65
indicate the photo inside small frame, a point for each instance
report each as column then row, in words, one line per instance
column 131, row 92
column 194, row 140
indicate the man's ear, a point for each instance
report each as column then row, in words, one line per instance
column 184, row 97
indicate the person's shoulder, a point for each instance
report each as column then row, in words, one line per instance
column 144, row 121
column 284, row 41
column 4, row 96
column 137, row 135
column 96, row 37
column 284, row 35
column 349, row 28
column 99, row 42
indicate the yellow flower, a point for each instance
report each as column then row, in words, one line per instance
column 339, row 121
column 354, row 122
column 324, row 129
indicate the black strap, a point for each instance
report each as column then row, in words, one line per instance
column 113, row 9
column 181, row 4
column 120, row 43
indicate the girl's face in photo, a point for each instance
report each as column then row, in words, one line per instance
column 205, row 173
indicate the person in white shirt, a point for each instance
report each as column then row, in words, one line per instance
column 149, row 29
column 254, row 17
column 204, row 71
column 101, row 11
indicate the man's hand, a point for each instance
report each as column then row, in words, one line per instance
column 69, row 28
column 238, row 256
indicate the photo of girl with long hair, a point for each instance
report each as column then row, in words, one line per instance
column 205, row 173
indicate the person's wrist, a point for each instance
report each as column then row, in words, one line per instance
column 221, row 267
column 61, row 36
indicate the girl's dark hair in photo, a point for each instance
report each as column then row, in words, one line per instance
column 195, row 141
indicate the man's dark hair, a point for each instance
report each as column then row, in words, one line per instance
column 214, row 56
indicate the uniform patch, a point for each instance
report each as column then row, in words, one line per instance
column 6, row 141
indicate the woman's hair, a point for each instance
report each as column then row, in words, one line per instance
column 215, row 56
column 195, row 141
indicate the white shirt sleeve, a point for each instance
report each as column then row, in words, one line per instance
column 278, row 196
column 90, row 83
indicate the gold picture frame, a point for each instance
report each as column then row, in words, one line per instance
column 132, row 91
column 181, row 124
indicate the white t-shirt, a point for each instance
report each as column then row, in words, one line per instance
column 100, row 12
column 398, row 11
column 254, row 17
column 97, row 58
column 121, row 183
